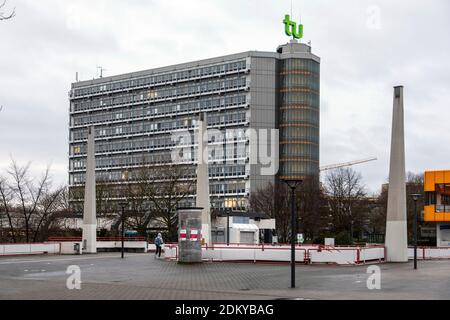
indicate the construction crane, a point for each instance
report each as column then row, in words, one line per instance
column 346, row 164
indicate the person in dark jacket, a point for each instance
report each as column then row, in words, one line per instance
column 158, row 243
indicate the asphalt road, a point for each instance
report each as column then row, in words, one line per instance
column 140, row 276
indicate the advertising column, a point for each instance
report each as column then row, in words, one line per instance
column 190, row 235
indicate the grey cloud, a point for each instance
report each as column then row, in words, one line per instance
column 48, row 41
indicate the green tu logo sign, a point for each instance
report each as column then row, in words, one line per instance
column 290, row 27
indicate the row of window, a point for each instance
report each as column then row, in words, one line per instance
column 158, row 142
column 299, row 82
column 300, row 64
column 218, row 154
column 227, row 188
column 232, row 187
column 227, row 171
column 306, row 98
column 300, row 150
column 299, row 168
column 306, row 133
column 163, row 109
column 300, row 116
column 234, row 203
column 186, row 123
column 218, row 201
column 175, row 92
column 215, row 171
column 163, row 78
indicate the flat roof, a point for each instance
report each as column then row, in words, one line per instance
column 198, row 63
column 175, row 67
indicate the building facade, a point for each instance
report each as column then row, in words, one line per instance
column 437, row 204
column 136, row 115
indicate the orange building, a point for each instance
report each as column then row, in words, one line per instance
column 437, row 203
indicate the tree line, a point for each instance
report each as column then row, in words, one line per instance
column 29, row 208
column 32, row 209
column 338, row 207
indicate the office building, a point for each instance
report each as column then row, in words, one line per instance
column 135, row 116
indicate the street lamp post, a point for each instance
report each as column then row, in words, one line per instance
column 228, row 227
column 228, row 210
column 415, row 197
column 351, row 225
column 293, row 184
column 123, row 205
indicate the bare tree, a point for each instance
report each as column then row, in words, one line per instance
column 28, row 195
column 414, row 185
column 153, row 195
column 274, row 202
column 6, row 205
column 312, row 209
column 30, row 206
column 5, row 16
column 347, row 200
column 137, row 195
column 49, row 206
column 170, row 186
column 25, row 193
column 104, row 193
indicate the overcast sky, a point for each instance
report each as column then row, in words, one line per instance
column 366, row 47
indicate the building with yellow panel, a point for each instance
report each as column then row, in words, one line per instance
column 437, row 204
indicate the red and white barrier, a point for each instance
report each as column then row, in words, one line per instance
column 282, row 253
column 334, row 255
column 430, row 253
column 29, row 248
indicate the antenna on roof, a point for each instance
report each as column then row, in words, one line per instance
column 76, row 77
column 101, row 71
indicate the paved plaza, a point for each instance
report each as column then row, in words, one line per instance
column 140, row 276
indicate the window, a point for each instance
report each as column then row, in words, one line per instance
column 241, row 220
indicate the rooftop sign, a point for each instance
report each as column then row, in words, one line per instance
column 290, row 28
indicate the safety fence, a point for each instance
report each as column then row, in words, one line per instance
column 29, row 248
column 282, row 254
column 430, row 253
column 79, row 239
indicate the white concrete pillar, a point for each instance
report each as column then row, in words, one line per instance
column 90, row 210
column 203, row 200
column 396, row 226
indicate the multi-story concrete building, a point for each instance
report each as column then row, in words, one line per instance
column 135, row 115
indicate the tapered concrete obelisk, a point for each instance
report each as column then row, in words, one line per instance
column 90, row 210
column 203, row 200
column 396, row 226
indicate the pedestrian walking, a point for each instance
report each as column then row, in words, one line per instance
column 158, row 243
